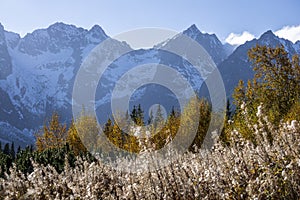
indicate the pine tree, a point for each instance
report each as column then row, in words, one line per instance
column 150, row 120
column 133, row 115
column 19, row 149
column 12, row 151
column 137, row 115
column 6, row 149
column 159, row 118
column 228, row 110
column 140, row 116
column 126, row 115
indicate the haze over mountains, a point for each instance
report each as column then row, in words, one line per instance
column 37, row 72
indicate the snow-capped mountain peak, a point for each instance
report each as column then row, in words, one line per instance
column 37, row 71
column 268, row 36
column 210, row 43
column 96, row 34
column 60, row 27
column 192, row 31
column 98, row 31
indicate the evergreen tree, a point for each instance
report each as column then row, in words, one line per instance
column 19, row 149
column 126, row 115
column 227, row 128
column 137, row 115
column 23, row 162
column 159, row 118
column 12, row 151
column 133, row 114
column 6, row 149
column 228, row 110
column 150, row 120
column 5, row 163
column 173, row 112
column 140, row 116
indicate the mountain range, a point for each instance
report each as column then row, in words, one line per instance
column 37, row 72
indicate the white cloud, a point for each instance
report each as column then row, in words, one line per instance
column 291, row 33
column 238, row 39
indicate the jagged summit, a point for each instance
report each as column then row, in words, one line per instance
column 268, row 34
column 210, row 43
column 97, row 29
column 60, row 27
column 60, row 36
column 192, row 31
column 97, row 32
column 193, row 27
column 37, row 71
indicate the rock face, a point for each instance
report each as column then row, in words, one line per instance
column 37, row 72
column 5, row 59
column 210, row 43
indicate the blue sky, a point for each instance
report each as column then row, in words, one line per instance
column 231, row 19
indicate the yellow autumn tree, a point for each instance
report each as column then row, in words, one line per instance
column 88, row 130
column 275, row 87
column 52, row 135
column 74, row 140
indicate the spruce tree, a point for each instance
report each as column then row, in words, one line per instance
column 137, row 115
column 12, row 151
column 140, row 116
column 133, row 114
column 6, row 149
column 159, row 118
column 150, row 120
column 19, row 149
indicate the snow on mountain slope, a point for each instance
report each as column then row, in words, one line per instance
column 210, row 43
column 20, row 138
column 146, row 94
column 297, row 47
column 37, row 72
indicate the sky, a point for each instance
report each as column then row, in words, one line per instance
column 233, row 21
